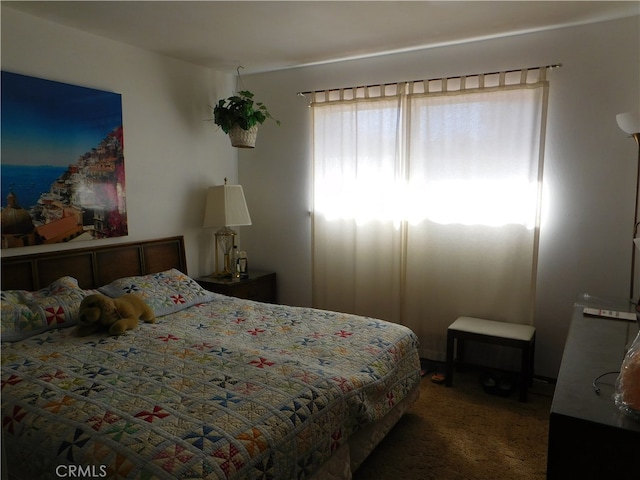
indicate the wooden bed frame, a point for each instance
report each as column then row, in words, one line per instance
column 93, row 266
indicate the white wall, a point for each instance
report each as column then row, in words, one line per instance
column 172, row 154
column 590, row 164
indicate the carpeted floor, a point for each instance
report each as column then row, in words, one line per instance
column 462, row 432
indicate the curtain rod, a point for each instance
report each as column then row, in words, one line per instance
column 556, row 65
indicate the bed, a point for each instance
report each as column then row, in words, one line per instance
column 216, row 388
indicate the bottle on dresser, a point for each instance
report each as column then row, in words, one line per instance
column 243, row 264
column 235, row 256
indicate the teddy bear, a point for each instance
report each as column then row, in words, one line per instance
column 119, row 314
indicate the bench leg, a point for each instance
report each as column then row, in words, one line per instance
column 448, row 381
column 460, row 348
column 526, row 371
column 532, row 355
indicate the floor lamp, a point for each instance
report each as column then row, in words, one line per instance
column 630, row 123
column 225, row 208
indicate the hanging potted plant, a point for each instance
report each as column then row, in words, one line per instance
column 239, row 117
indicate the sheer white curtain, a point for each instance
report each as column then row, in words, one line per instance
column 426, row 199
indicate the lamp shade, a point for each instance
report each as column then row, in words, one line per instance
column 226, row 207
column 629, row 122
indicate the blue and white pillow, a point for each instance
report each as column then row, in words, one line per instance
column 25, row 313
column 165, row 292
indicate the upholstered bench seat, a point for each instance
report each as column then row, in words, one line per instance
column 499, row 333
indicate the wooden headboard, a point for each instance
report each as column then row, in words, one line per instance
column 93, row 266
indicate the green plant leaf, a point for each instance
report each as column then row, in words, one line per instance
column 240, row 110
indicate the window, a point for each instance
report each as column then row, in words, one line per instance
column 426, row 199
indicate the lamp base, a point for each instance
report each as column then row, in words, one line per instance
column 226, row 272
column 225, row 237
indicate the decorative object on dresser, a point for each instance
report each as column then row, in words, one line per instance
column 627, row 395
column 225, row 207
column 630, row 123
column 258, row 286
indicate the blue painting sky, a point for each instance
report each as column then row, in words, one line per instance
column 53, row 123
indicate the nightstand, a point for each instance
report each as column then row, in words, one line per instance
column 260, row 286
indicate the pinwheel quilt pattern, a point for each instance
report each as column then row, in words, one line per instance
column 225, row 389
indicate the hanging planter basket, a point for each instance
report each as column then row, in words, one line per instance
column 241, row 138
column 238, row 111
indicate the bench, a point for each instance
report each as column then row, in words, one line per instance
column 499, row 333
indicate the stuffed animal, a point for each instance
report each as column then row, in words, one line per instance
column 119, row 314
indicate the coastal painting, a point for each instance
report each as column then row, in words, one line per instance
column 62, row 170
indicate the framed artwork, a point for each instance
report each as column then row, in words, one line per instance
column 62, row 170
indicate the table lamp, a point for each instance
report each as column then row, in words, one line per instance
column 225, row 207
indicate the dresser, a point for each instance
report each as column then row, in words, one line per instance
column 260, row 286
column 588, row 436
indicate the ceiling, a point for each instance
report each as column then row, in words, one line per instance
column 265, row 35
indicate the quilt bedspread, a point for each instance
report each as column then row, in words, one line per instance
column 224, row 389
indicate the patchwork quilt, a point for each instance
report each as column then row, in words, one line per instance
column 223, row 389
